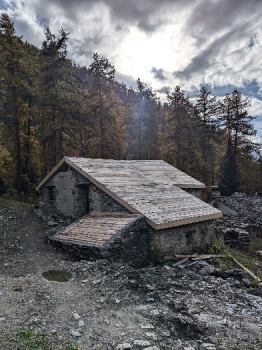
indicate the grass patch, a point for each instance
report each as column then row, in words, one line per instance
column 31, row 340
column 11, row 248
column 247, row 259
column 19, row 203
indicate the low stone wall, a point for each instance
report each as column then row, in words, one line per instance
column 181, row 239
column 137, row 243
column 130, row 245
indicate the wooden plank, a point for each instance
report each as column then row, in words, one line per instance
column 245, row 269
column 97, row 238
column 97, row 229
column 73, row 227
column 195, row 256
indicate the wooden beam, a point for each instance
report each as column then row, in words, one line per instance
column 195, row 256
column 74, row 226
column 245, row 269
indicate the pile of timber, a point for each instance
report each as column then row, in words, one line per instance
column 237, row 239
column 208, row 256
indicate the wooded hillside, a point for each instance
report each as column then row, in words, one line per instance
column 50, row 107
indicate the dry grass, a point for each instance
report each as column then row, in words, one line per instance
column 247, row 259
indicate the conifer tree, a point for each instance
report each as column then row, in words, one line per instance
column 13, row 70
column 207, row 109
column 54, row 52
column 108, row 133
column 181, row 144
column 144, row 126
column 242, row 128
column 237, row 126
column 229, row 181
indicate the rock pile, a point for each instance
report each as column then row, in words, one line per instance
column 247, row 212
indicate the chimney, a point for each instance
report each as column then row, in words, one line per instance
column 74, row 154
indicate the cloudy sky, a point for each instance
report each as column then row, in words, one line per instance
column 163, row 42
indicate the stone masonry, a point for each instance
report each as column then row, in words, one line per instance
column 71, row 194
column 137, row 243
column 68, row 194
column 182, row 239
column 130, row 244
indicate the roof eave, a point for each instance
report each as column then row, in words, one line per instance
column 181, row 222
column 52, row 172
column 182, row 186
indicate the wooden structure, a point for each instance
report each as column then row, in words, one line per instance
column 96, row 228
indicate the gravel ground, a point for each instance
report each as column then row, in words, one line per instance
column 107, row 304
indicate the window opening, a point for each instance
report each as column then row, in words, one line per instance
column 87, row 200
column 84, row 195
column 190, row 237
column 51, row 193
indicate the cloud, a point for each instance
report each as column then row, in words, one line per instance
column 212, row 42
column 252, row 42
column 217, row 58
column 214, row 16
column 256, row 107
column 128, row 80
column 163, row 89
column 159, row 74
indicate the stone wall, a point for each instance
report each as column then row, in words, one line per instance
column 197, row 192
column 75, row 196
column 182, row 239
column 129, row 245
column 137, row 243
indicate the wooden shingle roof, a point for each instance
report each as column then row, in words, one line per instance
column 96, row 228
column 151, row 188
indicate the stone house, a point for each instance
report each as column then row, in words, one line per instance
column 133, row 210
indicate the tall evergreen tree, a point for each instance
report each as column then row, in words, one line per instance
column 237, row 125
column 229, row 182
column 13, row 70
column 54, row 64
column 207, row 109
column 144, row 127
column 108, row 133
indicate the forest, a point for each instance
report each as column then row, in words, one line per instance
column 51, row 107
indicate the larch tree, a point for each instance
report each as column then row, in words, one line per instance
column 108, row 133
column 13, row 73
column 229, row 181
column 144, row 126
column 237, row 125
column 207, row 109
column 242, row 127
column 54, row 64
column 180, row 142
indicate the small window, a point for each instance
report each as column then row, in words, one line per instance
column 190, row 237
column 51, row 193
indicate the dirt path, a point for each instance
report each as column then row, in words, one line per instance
column 106, row 304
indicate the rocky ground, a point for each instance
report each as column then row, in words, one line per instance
column 240, row 212
column 107, row 305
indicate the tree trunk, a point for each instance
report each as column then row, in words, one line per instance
column 18, row 157
column 61, row 151
column 139, row 128
column 212, row 167
column 54, row 138
column 27, row 156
